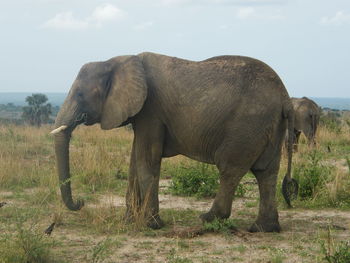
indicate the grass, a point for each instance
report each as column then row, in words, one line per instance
column 322, row 174
column 102, row 250
column 200, row 180
column 221, row 226
column 98, row 233
column 335, row 252
column 277, row 256
column 26, row 243
column 173, row 258
column 311, row 174
column 322, row 182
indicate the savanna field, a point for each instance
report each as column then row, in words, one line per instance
column 316, row 229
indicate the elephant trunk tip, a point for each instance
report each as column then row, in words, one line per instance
column 75, row 206
column 59, row 129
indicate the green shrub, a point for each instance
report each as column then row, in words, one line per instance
column 331, row 121
column 220, row 226
column 201, row 180
column 25, row 245
column 338, row 253
column 311, row 174
column 241, row 190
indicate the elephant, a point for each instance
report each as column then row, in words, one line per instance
column 306, row 118
column 230, row 111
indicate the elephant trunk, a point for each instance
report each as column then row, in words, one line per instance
column 62, row 159
column 64, row 126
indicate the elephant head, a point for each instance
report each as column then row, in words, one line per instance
column 108, row 93
column 306, row 118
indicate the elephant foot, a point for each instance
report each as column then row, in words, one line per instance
column 265, row 227
column 210, row 216
column 155, row 222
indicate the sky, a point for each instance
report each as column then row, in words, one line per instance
column 43, row 43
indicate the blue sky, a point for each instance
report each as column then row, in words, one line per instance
column 45, row 42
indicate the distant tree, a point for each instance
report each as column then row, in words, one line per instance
column 38, row 111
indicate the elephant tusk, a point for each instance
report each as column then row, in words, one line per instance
column 59, row 129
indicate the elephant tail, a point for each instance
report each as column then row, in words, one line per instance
column 289, row 185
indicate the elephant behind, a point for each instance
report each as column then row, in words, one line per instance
column 306, row 119
column 230, row 111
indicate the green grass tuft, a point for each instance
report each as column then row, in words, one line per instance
column 311, row 174
column 221, row 226
column 26, row 244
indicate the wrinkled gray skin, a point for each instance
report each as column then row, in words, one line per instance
column 230, row 111
column 306, row 118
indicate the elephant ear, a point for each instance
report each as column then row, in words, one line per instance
column 127, row 93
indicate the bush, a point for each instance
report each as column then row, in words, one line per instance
column 311, row 174
column 220, row 226
column 320, row 182
column 25, row 245
column 201, row 180
column 331, row 121
column 241, row 190
column 335, row 253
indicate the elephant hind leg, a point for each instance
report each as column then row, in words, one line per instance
column 222, row 205
column 267, row 220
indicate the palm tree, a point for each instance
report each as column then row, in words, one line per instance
column 38, row 111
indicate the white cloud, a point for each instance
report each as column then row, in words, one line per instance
column 65, row 20
column 144, row 25
column 224, row 2
column 106, row 13
column 177, row 2
column 338, row 19
column 180, row 2
column 246, row 12
column 100, row 16
column 248, row 2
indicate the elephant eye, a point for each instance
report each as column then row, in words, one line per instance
column 80, row 95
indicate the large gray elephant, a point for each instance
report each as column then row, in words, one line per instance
column 230, row 111
column 306, row 118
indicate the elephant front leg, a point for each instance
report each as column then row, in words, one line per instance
column 133, row 199
column 142, row 195
column 148, row 184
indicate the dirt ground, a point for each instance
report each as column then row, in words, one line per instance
column 299, row 241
